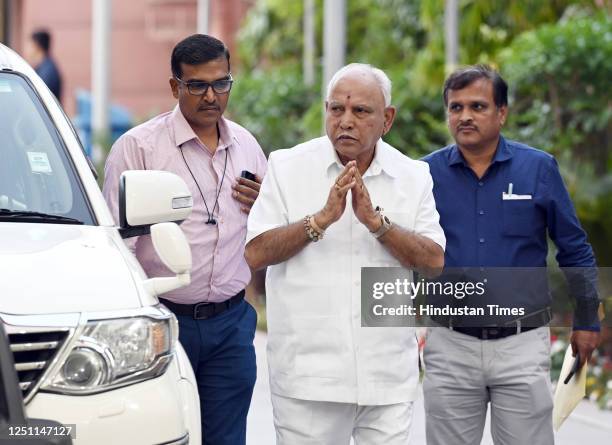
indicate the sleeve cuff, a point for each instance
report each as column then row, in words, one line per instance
column 587, row 328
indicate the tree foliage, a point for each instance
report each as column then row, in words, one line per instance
column 560, row 75
column 404, row 38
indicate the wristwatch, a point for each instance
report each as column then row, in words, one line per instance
column 386, row 223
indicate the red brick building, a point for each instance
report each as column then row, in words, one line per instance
column 143, row 33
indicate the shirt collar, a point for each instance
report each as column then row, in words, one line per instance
column 381, row 162
column 503, row 153
column 184, row 133
column 330, row 157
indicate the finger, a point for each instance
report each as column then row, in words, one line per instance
column 587, row 350
column 359, row 186
column 243, row 199
column 351, row 175
column 585, row 354
column 358, row 177
column 360, row 190
column 341, row 182
column 246, row 210
column 244, row 190
column 258, row 179
column 341, row 191
column 574, row 346
column 346, row 173
column 248, row 183
column 344, row 189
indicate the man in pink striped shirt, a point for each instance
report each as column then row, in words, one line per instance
column 209, row 152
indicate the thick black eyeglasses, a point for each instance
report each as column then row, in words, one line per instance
column 199, row 87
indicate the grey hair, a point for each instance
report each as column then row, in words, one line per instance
column 379, row 75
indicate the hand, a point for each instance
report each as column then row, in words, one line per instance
column 246, row 192
column 585, row 343
column 336, row 200
column 362, row 205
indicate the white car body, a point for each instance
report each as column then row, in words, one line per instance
column 58, row 277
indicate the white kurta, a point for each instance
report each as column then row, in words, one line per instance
column 317, row 349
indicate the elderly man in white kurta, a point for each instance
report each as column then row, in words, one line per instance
column 317, row 221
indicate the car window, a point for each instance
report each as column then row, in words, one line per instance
column 36, row 174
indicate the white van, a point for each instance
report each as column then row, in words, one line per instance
column 92, row 345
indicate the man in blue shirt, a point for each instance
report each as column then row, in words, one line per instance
column 43, row 64
column 497, row 199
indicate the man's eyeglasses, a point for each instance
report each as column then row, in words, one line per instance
column 199, row 87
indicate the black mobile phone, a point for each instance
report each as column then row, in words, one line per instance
column 247, row 175
column 574, row 370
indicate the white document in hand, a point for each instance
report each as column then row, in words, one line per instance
column 568, row 396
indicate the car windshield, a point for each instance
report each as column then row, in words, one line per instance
column 37, row 178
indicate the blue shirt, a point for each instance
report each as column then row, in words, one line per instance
column 48, row 72
column 484, row 230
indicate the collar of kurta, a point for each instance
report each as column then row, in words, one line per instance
column 380, row 163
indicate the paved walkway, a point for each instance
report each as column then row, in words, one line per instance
column 587, row 424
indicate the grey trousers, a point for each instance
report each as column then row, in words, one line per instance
column 463, row 374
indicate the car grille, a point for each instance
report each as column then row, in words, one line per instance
column 33, row 352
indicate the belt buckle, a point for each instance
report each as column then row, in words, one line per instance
column 490, row 333
column 197, row 307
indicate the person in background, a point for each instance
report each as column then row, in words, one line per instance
column 498, row 199
column 195, row 142
column 44, row 65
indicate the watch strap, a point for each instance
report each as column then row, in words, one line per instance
column 385, row 223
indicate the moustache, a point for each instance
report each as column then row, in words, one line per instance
column 466, row 127
column 209, row 107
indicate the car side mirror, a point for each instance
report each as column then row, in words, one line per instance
column 148, row 197
column 173, row 249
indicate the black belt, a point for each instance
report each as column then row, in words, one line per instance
column 202, row 311
column 524, row 324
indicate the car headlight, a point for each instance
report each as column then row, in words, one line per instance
column 116, row 352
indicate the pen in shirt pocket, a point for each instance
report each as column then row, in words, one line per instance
column 509, row 195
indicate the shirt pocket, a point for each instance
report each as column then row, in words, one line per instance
column 518, row 217
column 322, row 347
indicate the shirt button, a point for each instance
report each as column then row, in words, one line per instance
column 481, row 183
column 481, row 240
column 356, row 282
column 356, row 252
column 481, row 212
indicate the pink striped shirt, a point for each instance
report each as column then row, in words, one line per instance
column 219, row 268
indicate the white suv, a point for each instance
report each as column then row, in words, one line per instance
column 92, row 345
